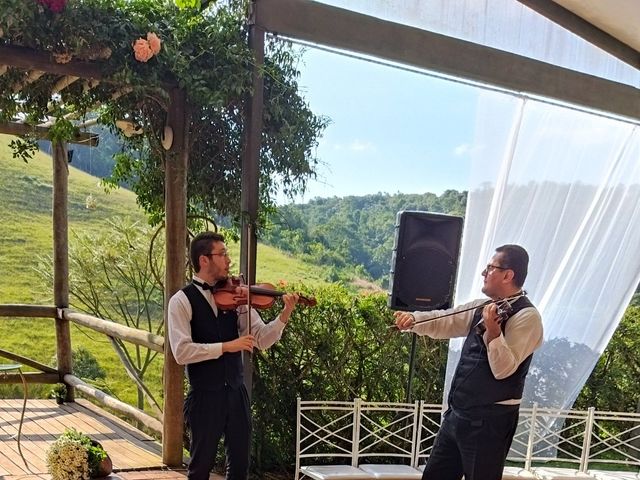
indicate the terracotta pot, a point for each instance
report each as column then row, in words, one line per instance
column 105, row 467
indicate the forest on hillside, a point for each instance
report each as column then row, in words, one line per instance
column 352, row 234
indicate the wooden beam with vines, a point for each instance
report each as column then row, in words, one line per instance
column 29, row 59
column 40, row 132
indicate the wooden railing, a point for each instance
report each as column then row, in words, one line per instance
column 49, row 375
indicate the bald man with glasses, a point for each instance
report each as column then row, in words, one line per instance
column 484, row 399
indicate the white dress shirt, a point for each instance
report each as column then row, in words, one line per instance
column 185, row 350
column 522, row 336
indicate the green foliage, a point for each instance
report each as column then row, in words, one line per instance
column 23, row 148
column 116, row 274
column 62, row 130
column 614, row 384
column 353, row 231
column 59, row 392
column 338, row 350
column 85, row 365
column 187, row 3
column 205, row 53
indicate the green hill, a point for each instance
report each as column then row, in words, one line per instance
column 25, row 209
column 26, row 236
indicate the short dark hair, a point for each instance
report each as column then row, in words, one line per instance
column 201, row 245
column 515, row 258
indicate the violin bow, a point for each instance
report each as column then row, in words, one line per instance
column 522, row 293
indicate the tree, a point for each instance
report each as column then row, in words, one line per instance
column 114, row 275
column 614, row 384
column 203, row 50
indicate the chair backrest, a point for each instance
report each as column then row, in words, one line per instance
column 429, row 419
column 326, row 432
column 387, row 432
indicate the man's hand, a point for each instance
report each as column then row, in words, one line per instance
column 491, row 322
column 404, row 320
column 290, row 301
column 247, row 343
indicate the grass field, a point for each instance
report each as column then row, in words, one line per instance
column 26, row 240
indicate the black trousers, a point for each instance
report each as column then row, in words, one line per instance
column 211, row 415
column 474, row 445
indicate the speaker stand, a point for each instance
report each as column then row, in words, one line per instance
column 412, row 360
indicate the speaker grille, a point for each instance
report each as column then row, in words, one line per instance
column 423, row 277
column 424, row 261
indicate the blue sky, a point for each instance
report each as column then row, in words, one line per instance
column 391, row 130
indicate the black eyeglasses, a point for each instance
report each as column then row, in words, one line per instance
column 490, row 268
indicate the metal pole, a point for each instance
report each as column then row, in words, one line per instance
column 412, row 360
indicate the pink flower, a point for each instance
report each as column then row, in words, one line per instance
column 154, row 42
column 56, row 6
column 142, row 50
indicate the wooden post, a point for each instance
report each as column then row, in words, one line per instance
column 250, row 161
column 176, row 237
column 61, row 258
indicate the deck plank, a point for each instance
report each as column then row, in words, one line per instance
column 134, row 453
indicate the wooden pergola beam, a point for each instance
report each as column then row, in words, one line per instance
column 29, row 59
column 29, row 79
column 14, row 128
column 63, row 83
column 355, row 32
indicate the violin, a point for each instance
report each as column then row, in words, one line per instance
column 503, row 310
column 263, row 295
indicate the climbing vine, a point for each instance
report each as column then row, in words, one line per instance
column 144, row 48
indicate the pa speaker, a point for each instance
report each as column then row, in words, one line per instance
column 424, row 261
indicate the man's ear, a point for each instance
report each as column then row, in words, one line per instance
column 509, row 275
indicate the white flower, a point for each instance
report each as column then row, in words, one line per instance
column 68, row 459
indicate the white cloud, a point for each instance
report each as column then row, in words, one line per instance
column 360, row 146
column 461, row 150
column 466, row 149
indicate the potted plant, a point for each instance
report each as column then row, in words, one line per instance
column 75, row 456
column 59, row 392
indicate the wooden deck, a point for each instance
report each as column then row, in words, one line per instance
column 135, row 455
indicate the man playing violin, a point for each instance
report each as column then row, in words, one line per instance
column 484, row 399
column 210, row 341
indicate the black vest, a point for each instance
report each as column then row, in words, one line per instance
column 473, row 383
column 207, row 328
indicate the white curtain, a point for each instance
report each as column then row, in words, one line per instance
column 503, row 24
column 565, row 184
